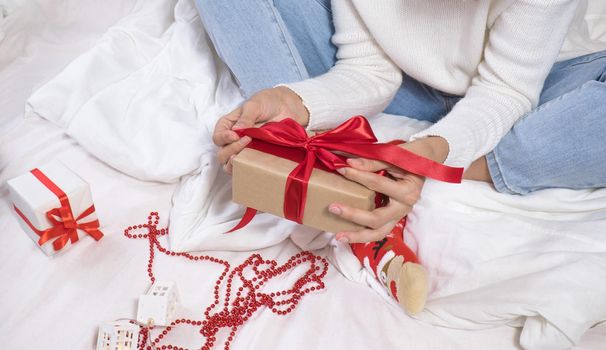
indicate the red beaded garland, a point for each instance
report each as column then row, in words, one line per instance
column 244, row 300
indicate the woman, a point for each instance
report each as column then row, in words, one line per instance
column 482, row 71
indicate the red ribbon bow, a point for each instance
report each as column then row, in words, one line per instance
column 64, row 226
column 288, row 139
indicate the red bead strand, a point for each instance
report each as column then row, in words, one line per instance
column 243, row 294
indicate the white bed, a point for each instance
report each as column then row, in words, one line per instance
column 58, row 303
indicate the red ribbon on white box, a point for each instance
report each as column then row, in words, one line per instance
column 64, row 226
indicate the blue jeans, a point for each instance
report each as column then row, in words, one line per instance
column 561, row 143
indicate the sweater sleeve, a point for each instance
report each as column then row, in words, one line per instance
column 362, row 82
column 521, row 48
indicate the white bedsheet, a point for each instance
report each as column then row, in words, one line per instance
column 152, row 87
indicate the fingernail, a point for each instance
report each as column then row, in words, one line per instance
column 343, row 239
column 334, row 209
column 341, row 171
column 245, row 140
column 354, row 162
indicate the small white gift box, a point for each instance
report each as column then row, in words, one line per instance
column 54, row 206
column 118, row 335
column 159, row 305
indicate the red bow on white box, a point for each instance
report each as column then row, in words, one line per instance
column 64, row 226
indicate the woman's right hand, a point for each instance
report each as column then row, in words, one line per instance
column 266, row 105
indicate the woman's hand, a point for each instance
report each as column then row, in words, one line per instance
column 403, row 190
column 266, row 105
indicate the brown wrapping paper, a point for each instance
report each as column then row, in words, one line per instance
column 259, row 180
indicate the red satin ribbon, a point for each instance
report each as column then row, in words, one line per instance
column 288, row 139
column 64, row 226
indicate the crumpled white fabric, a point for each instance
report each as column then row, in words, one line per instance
column 164, row 87
column 145, row 99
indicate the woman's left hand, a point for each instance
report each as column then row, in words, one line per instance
column 403, row 190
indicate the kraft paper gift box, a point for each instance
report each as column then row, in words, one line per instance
column 259, row 181
column 274, row 170
column 55, row 203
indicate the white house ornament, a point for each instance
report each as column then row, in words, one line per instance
column 118, row 335
column 158, row 306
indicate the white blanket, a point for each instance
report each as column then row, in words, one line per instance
column 144, row 99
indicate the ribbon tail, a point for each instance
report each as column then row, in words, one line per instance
column 92, row 229
column 60, row 242
column 86, row 213
column 403, row 159
column 249, row 214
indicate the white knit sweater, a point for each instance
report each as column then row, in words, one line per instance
column 496, row 53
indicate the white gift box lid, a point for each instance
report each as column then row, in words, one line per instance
column 34, row 199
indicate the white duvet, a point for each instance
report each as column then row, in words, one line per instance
column 144, row 100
